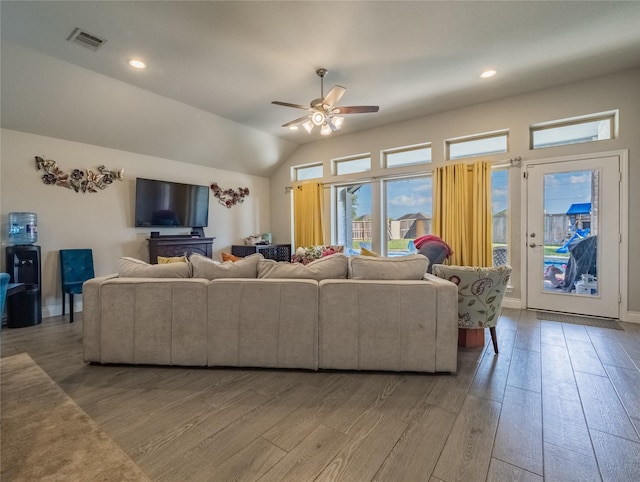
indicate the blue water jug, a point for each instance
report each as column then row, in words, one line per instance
column 23, row 228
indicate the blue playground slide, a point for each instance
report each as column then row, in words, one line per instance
column 579, row 234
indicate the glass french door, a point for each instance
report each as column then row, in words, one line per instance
column 572, row 243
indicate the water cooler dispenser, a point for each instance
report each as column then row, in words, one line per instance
column 24, row 265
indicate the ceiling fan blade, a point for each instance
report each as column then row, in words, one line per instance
column 334, row 96
column 356, row 109
column 287, row 104
column 296, row 121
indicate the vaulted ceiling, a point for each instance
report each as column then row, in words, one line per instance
column 214, row 67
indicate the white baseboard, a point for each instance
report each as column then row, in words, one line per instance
column 56, row 310
column 515, row 303
column 631, row 317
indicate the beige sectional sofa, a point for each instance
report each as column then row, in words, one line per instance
column 328, row 314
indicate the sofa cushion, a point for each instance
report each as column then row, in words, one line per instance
column 135, row 268
column 207, row 268
column 368, row 252
column 334, row 266
column 412, row 267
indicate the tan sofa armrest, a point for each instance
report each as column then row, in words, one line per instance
column 447, row 314
column 91, row 316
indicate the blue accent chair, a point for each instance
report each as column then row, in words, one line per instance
column 4, row 281
column 76, row 267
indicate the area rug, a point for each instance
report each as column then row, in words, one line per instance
column 47, row 436
column 579, row 320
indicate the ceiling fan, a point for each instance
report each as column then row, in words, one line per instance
column 324, row 112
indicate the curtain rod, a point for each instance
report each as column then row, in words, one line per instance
column 506, row 162
column 299, row 186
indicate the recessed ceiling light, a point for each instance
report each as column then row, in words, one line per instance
column 137, row 64
column 488, row 73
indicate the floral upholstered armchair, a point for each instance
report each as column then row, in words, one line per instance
column 480, row 294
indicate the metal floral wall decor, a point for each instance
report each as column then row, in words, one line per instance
column 79, row 180
column 229, row 197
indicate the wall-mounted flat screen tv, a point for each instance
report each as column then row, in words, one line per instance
column 170, row 204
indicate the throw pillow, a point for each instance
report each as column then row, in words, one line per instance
column 366, row 252
column 230, row 257
column 335, row 266
column 308, row 254
column 173, row 259
column 412, row 267
column 135, row 268
column 207, row 268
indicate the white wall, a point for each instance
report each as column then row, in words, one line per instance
column 103, row 221
column 619, row 91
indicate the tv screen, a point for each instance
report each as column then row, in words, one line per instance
column 171, row 204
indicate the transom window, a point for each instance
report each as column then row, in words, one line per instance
column 352, row 165
column 311, row 171
column 407, row 156
column 477, row 145
column 592, row 128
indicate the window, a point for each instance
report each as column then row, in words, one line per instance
column 477, row 145
column 408, row 212
column 500, row 211
column 304, row 173
column 407, row 156
column 352, row 165
column 597, row 127
column 353, row 217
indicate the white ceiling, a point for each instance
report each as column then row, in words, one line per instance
column 214, row 67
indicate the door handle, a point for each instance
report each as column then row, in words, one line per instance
column 533, row 245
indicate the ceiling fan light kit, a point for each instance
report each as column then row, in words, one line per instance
column 318, row 118
column 308, row 126
column 323, row 112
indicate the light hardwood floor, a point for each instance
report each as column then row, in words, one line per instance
column 560, row 402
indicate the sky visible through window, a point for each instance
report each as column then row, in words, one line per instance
column 499, row 191
column 410, row 196
column 564, row 189
column 406, row 196
column 561, row 190
column 416, row 195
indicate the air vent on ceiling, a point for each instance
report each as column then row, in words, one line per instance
column 86, row 39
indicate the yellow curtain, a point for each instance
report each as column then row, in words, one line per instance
column 307, row 215
column 462, row 212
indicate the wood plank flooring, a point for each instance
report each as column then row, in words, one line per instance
column 560, row 402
